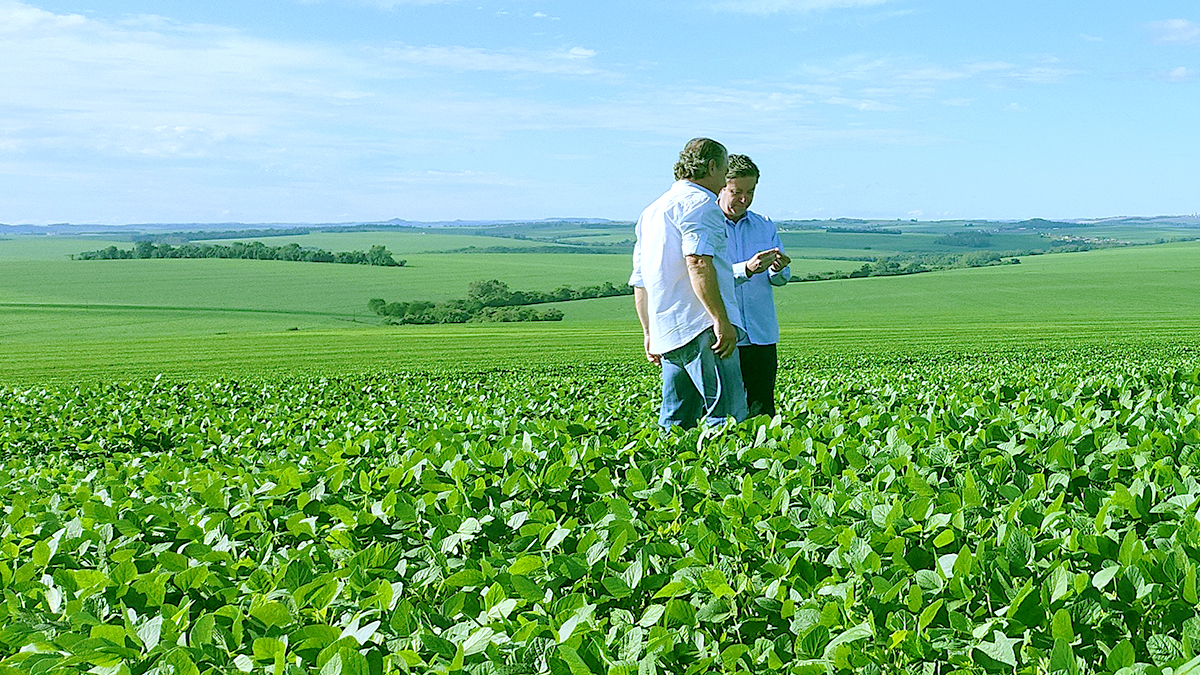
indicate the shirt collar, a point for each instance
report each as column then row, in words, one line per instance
column 728, row 221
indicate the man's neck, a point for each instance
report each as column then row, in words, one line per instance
column 735, row 219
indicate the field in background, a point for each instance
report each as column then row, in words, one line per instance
column 63, row 319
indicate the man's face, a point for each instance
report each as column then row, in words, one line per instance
column 737, row 196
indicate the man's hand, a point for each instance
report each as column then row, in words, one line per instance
column 762, row 260
column 656, row 359
column 726, row 339
column 781, row 261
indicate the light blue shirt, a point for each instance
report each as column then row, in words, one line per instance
column 684, row 221
column 755, row 297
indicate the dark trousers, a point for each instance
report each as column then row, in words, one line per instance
column 759, row 365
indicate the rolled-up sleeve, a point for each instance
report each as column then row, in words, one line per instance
column 635, row 279
column 783, row 276
column 700, row 230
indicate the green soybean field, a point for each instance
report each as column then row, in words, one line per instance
column 1022, row 510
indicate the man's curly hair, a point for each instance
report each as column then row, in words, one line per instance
column 693, row 161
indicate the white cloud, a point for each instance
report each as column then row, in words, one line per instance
column 471, row 59
column 383, row 4
column 1016, row 107
column 1181, row 74
column 1090, row 38
column 19, row 18
column 1175, row 31
column 865, row 105
column 777, row 6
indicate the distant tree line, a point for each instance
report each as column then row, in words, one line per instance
column 621, row 247
column 863, row 230
column 378, row 255
column 199, row 235
column 490, row 301
column 974, row 239
column 918, row 263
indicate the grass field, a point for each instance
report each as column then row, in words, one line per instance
column 193, row 318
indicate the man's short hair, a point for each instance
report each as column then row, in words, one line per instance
column 693, row 161
column 741, row 166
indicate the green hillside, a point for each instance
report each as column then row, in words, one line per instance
column 65, row 319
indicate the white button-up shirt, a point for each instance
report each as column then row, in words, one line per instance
column 685, row 221
column 755, row 298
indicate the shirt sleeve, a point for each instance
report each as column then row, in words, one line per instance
column 783, row 276
column 701, row 228
column 739, row 273
column 635, row 279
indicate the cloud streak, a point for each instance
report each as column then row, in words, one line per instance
column 1175, row 31
column 470, row 59
column 763, row 7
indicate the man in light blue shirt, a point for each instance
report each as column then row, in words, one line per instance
column 684, row 293
column 760, row 265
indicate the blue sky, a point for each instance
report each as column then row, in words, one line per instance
column 341, row 110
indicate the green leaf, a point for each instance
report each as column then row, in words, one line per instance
column 679, row 613
column 463, row 578
column 1164, row 649
column 1061, row 628
column 41, row 554
column 438, row 645
column 1121, row 656
column 651, row 616
column 268, row 649
column 714, row 581
column 522, row 566
column 1105, row 576
column 672, row 589
column 581, row 615
column 149, row 632
column 928, row 615
column 1000, row 650
column 860, row 632
column 1062, row 658
column 273, row 614
column 574, row 662
column 180, row 663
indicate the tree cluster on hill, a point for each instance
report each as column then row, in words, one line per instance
column 378, row 255
column 621, row 247
column 970, row 239
column 863, row 230
column 490, row 301
column 200, row 235
column 917, row 263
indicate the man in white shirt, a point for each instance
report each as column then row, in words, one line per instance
column 761, row 265
column 683, row 291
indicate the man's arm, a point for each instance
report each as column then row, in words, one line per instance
column 643, row 312
column 703, row 276
column 780, row 272
column 742, row 271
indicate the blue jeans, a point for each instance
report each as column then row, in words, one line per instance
column 697, row 383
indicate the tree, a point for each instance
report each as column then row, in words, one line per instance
column 491, row 293
column 143, row 249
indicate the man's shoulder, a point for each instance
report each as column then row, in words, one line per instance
column 759, row 219
column 687, row 193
